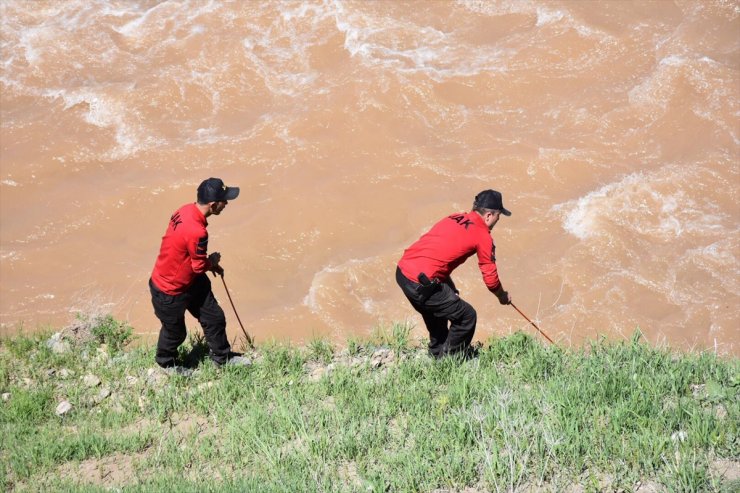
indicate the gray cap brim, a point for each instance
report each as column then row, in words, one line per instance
column 231, row 193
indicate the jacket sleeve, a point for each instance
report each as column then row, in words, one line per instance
column 486, row 251
column 198, row 251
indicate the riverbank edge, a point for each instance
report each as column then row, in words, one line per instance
column 82, row 410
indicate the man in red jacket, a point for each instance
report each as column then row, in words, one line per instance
column 423, row 273
column 179, row 281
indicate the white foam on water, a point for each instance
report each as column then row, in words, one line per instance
column 28, row 41
column 709, row 79
column 302, row 11
column 208, row 81
column 547, row 16
column 340, row 288
column 720, row 261
column 10, row 255
column 673, row 61
column 311, row 298
column 104, row 111
column 722, row 252
column 55, row 21
column 57, row 230
column 280, row 53
column 378, row 41
column 549, row 159
column 207, row 135
column 136, row 26
column 168, row 22
column 643, row 203
column 501, row 7
column 10, row 183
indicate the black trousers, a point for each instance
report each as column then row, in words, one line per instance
column 200, row 302
column 442, row 307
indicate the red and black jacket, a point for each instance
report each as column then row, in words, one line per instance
column 447, row 245
column 183, row 254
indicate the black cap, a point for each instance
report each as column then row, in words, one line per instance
column 214, row 190
column 490, row 199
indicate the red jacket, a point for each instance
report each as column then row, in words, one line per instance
column 447, row 245
column 183, row 253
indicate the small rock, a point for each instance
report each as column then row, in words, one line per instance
column 381, row 357
column 6, row 396
column 102, row 395
column 698, row 390
column 317, row 373
column 63, row 408
column 131, row 380
column 57, row 344
column 101, row 356
column 206, row 385
column 178, row 371
column 116, row 404
column 64, row 373
column 422, row 355
column 121, row 358
column 329, row 403
column 156, row 377
column 143, row 402
column 90, row 380
column 720, row 411
column 679, row 436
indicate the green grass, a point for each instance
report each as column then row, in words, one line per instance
column 522, row 415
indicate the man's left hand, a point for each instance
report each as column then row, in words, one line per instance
column 215, row 259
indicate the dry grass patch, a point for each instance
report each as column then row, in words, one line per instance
column 112, row 470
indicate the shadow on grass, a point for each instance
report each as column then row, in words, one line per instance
column 198, row 350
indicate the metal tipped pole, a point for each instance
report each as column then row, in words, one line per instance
column 533, row 324
column 249, row 339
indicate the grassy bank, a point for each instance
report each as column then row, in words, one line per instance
column 379, row 415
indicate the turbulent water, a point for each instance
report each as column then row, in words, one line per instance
column 611, row 128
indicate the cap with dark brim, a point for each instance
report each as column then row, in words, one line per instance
column 214, row 190
column 233, row 192
column 491, row 199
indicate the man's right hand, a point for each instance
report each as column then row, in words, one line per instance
column 214, row 259
column 503, row 297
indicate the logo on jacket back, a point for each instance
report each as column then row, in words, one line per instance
column 460, row 219
column 175, row 220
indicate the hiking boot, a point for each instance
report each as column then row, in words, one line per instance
column 178, row 370
column 235, row 359
column 474, row 350
column 466, row 354
column 238, row 361
column 470, row 352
